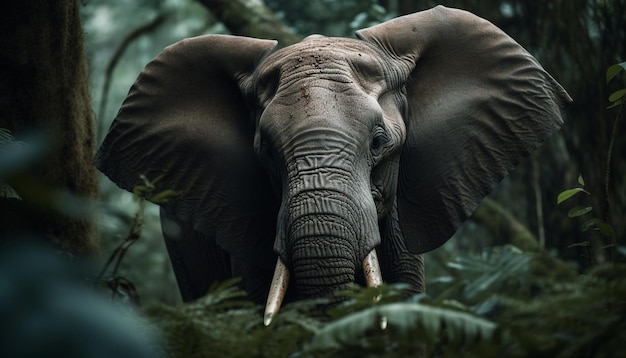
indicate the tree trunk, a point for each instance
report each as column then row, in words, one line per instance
column 503, row 227
column 44, row 94
column 251, row 18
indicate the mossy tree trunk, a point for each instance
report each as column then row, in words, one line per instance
column 251, row 18
column 503, row 227
column 44, row 90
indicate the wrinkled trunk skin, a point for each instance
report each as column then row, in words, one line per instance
column 329, row 218
column 322, row 252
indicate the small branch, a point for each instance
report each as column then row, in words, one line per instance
column 115, row 282
column 108, row 74
column 609, row 157
column 607, row 178
column 541, row 231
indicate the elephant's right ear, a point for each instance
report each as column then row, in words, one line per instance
column 477, row 104
column 186, row 122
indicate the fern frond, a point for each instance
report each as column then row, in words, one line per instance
column 223, row 296
column 583, row 317
column 403, row 319
column 358, row 298
column 500, row 269
column 550, row 311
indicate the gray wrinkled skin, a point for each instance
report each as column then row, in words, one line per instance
column 331, row 135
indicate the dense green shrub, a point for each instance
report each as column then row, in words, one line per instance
column 508, row 303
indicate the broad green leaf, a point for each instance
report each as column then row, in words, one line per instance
column 617, row 98
column 617, row 95
column 566, row 194
column 581, row 181
column 612, row 71
column 605, row 229
column 598, row 224
column 490, row 271
column 617, row 103
column 588, row 224
column 579, row 211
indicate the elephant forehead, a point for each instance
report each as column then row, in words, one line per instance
column 336, row 59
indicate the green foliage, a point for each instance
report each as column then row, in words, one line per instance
column 329, row 17
column 594, row 223
column 501, row 269
column 120, row 286
column 222, row 324
column 580, row 317
column 569, row 193
column 612, row 71
column 147, row 188
column 391, row 328
column 617, row 97
column 511, row 303
column 374, row 15
column 380, row 321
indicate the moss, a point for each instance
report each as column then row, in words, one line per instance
column 45, row 90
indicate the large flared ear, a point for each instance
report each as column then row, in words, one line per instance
column 186, row 122
column 477, row 104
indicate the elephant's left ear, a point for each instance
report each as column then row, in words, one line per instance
column 186, row 122
column 477, row 104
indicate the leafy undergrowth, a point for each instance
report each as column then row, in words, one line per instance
column 503, row 302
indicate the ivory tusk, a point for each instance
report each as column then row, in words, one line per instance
column 371, row 269
column 277, row 292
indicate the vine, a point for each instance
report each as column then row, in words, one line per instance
column 596, row 224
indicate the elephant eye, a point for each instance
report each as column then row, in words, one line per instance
column 379, row 142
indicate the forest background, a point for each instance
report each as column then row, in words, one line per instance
column 520, row 244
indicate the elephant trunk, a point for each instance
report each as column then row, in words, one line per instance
column 278, row 289
column 328, row 223
column 322, row 265
column 328, row 238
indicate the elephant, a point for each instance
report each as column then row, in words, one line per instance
column 332, row 161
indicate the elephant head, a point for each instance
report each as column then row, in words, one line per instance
column 322, row 152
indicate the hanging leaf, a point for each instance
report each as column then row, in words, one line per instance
column 581, row 181
column 617, row 95
column 566, row 194
column 612, row 71
column 579, row 244
column 579, row 211
column 615, row 104
column 598, row 224
column 605, row 229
